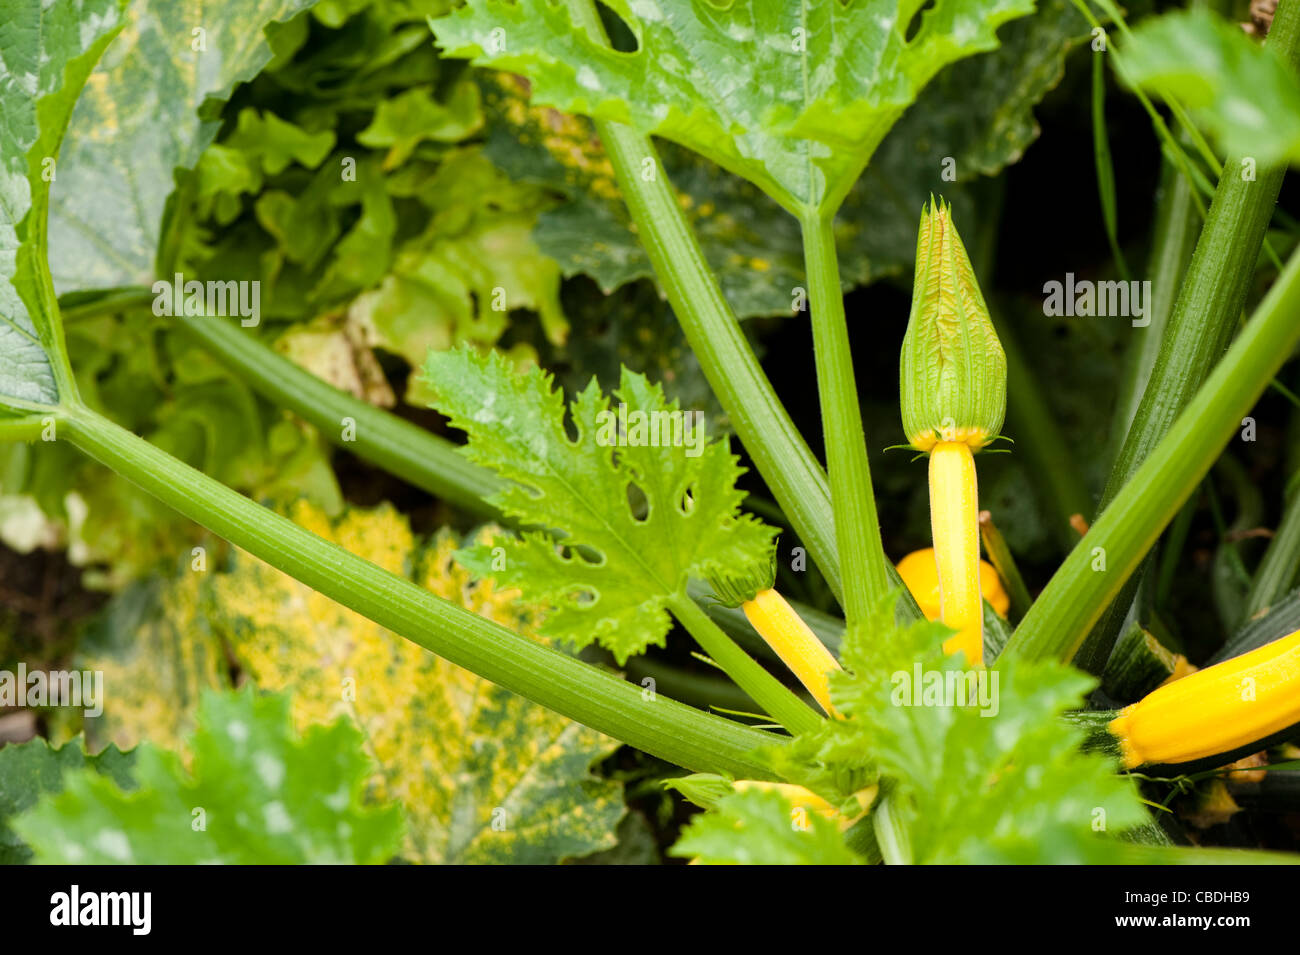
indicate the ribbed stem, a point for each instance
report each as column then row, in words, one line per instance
column 766, row 690
column 857, row 527
column 1097, row 568
column 553, row 679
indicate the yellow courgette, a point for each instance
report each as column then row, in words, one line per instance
column 1215, row 710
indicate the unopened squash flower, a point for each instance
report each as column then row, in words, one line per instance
column 953, row 393
column 1216, row 710
column 780, row 627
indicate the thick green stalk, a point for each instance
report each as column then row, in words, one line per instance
column 553, row 679
column 1280, row 564
column 780, row 453
column 713, row 332
column 766, row 690
column 1208, row 307
column 857, row 528
column 1178, row 222
column 1093, row 573
column 402, row 449
column 1212, row 295
column 891, row 834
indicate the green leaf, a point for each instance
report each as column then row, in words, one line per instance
column 31, row 770
column 999, row 780
column 139, row 121
column 484, row 775
column 46, row 52
column 974, row 118
column 761, row 827
column 406, row 120
column 1242, row 92
column 821, row 85
column 637, row 519
column 254, row 793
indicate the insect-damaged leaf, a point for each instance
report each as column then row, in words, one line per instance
column 794, row 97
column 640, row 511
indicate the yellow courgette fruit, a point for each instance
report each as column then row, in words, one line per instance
column 1215, row 710
column 954, row 522
column 920, row 572
column 795, row 643
column 781, row 628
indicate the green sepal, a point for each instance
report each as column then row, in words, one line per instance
column 953, row 375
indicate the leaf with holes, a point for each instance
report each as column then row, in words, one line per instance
column 634, row 506
column 484, row 774
column 46, row 53
column 794, row 97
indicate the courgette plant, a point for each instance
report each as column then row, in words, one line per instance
column 616, row 544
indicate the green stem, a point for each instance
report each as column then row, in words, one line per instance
column 1280, row 564
column 694, row 688
column 1206, row 314
column 995, row 545
column 857, row 528
column 553, row 679
column 780, row 453
column 26, row 428
column 1177, row 225
column 403, row 449
column 891, row 834
column 1083, row 586
column 766, row 690
column 1212, row 295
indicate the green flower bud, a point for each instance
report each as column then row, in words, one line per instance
column 953, row 379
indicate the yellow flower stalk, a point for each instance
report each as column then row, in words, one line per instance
column 953, row 386
column 1215, row 710
column 782, row 629
column 920, row 572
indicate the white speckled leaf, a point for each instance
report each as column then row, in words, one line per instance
column 793, row 96
column 46, row 51
column 263, row 795
column 138, row 121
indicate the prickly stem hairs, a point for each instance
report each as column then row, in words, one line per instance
column 953, row 388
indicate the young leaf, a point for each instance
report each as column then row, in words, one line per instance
column 253, row 794
column 792, row 96
column 1001, row 779
column 1243, row 92
column 139, row 121
column 34, row 769
column 639, row 512
column 484, row 775
column 761, row 827
column 46, row 52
